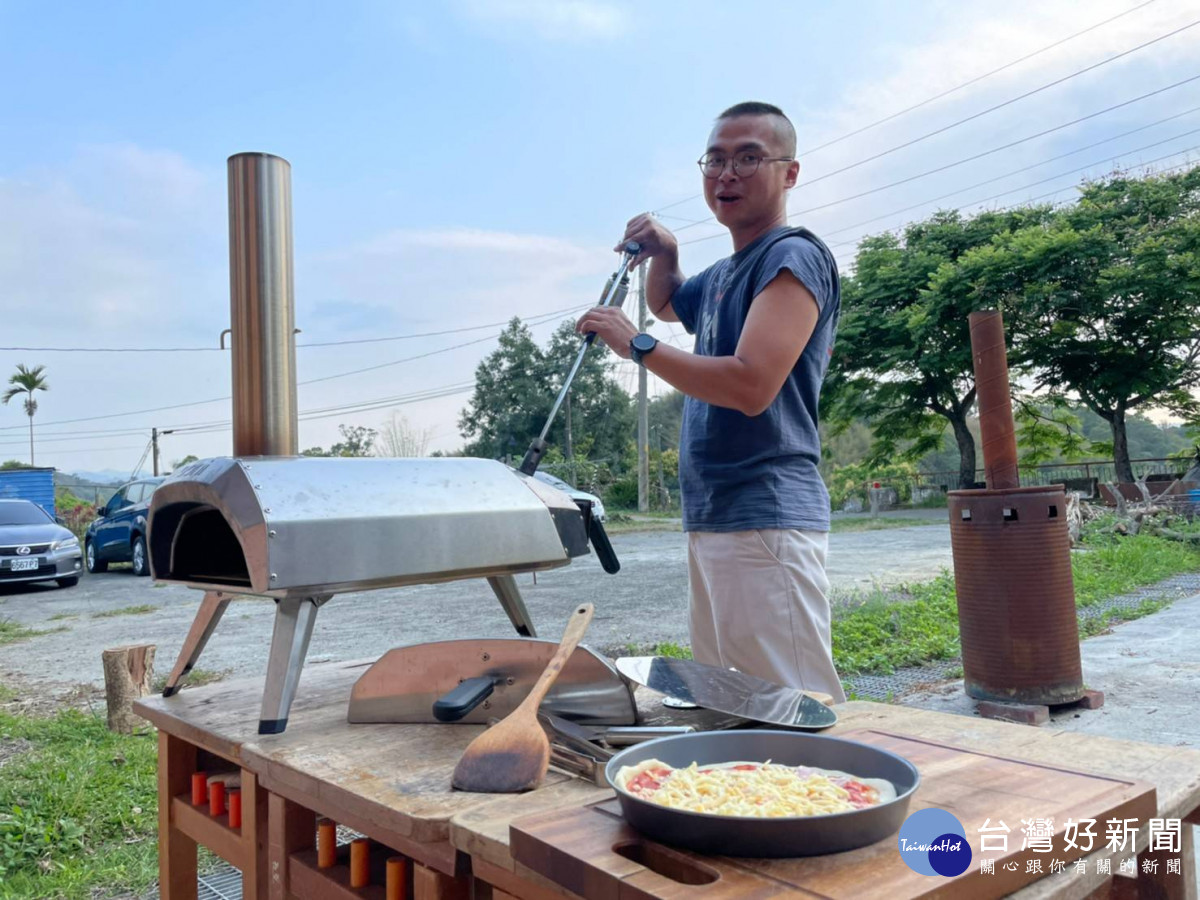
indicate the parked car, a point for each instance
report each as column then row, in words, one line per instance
column 33, row 547
column 574, row 493
column 118, row 533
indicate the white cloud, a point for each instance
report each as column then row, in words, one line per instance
column 553, row 20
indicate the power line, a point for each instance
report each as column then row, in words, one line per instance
column 936, row 97
column 1029, row 200
column 543, row 319
column 975, row 80
column 1033, row 166
column 379, row 340
column 972, row 158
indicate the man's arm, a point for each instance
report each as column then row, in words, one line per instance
column 781, row 321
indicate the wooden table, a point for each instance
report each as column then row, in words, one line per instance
column 391, row 783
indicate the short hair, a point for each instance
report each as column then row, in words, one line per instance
column 783, row 126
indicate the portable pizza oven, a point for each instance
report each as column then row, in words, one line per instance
column 300, row 530
column 270, row 523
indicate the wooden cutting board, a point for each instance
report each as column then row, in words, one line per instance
column 593, row 852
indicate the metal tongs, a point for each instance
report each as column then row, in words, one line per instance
column 617, row 288
column 618, row 285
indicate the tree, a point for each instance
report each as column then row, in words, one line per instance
column 398, row 438
column 180, row 463
column 603, row 415
column 357, row 440
column 902, row 361
column 26, row 381
column 1107, row 295
column 515, row 388
column 510, row 401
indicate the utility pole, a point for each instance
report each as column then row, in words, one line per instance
column 643, row 408
column 155, row 434
column 571, row 445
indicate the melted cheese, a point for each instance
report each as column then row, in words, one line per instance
column 762, row 790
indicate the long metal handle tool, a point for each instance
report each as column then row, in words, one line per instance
column 537, row 447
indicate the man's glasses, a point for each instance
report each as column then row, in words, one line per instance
column 744, row 164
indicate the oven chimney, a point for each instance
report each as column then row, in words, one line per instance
column 262, row 310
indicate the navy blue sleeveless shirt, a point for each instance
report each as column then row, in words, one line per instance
column 739, row 472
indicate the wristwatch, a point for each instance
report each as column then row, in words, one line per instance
column 640, row 345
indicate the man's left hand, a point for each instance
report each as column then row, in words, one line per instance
column 611, row 326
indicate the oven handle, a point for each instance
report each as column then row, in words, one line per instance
column 603, row 546
column 464, row 698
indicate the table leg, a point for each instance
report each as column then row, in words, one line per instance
column 429, row 884
column 256, row 873
column 1158, row 885
column 176, row 851
column 290, row 828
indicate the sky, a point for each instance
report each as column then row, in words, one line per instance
column 455, row 164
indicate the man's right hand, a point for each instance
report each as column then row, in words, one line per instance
column 654, row 237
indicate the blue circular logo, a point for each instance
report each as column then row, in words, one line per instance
column 934, row 842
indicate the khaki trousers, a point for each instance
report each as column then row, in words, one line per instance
column 759, row 604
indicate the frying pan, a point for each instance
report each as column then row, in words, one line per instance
column 777, row 837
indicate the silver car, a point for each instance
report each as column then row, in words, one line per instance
column 573, row 493
column 33, row 547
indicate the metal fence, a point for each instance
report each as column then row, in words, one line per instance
column 1096, row 470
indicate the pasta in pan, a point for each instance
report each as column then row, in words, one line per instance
column 762, row 790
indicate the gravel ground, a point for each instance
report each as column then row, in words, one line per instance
column 645, row 603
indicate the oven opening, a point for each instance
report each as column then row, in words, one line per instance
column 202, row 548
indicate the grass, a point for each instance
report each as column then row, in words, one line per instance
column 666, row 648
column 79, row 809
column 139, row 610
column 918, row 623
column 194, row 678
column 621, row 523
column 879, row 631
column 60, row 616
column 11, row 631
column 839, row 525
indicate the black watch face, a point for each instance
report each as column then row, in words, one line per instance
column 643, row 343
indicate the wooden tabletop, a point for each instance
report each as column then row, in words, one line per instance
column 397, row 777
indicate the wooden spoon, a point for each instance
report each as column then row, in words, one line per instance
column 513, row 755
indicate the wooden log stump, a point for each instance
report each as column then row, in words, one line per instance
column 128, row 672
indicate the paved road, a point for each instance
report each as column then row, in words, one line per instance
column 645, row 603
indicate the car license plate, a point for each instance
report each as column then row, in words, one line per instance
column 24, row 565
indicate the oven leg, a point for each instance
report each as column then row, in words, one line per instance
column 509, row 595
column 294, row 619
column 212, row 607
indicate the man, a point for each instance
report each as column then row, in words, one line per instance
column 754, row 507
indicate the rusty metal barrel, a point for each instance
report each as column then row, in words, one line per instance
column 1012, row 558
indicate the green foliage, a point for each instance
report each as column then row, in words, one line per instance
column 13, row 464
column 1049, row 431
column 78, row 811
column 11, row 631
column 515, row 388
column 903, row 355
column 845, row 482
column 77, row 514
column 1105, row 297
column 881, row 634
column 864, row 523
column 25, row 381
column 357, row 440
column 139, row 610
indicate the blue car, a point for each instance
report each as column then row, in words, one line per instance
column 33, row 547
column 118, row 533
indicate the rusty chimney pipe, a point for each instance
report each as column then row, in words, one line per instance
column 262, row 311
column 995, row 400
